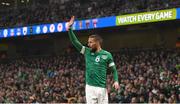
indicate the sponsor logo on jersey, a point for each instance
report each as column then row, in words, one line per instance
column 104, row 57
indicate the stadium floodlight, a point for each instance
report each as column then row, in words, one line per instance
column 7, row 4
column 3, row 3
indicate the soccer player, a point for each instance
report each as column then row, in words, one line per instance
column 98, row 61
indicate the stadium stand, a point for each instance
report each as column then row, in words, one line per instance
column 56, row 11
column 146, row 75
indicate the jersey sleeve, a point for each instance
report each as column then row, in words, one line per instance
column 74, row 40
column 112, row 67
column 82, row 49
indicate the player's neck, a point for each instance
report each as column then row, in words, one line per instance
column 98, row 49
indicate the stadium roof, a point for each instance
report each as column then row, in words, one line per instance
column 11, row 3
column 6, row 3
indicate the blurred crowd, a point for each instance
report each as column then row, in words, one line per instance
column 47, row 79
column 145, row 75
column 61, row 10
column 148, row 76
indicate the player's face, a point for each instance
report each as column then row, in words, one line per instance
column 92, row 43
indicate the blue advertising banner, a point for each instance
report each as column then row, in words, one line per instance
column 12, row 32
column 58, row 27
column 1, row 36
column 62, row 26
column 178, row 13
column 94, row 23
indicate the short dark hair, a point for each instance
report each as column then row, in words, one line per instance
column 97, row 38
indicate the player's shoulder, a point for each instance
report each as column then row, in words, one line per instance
column 106, row 52
column 87, row 48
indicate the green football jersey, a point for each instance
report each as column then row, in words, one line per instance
column 97, row 63
column 96, row 66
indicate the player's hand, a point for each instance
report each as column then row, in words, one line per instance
column 116, row 85
column 70, row 23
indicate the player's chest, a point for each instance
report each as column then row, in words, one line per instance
column 97, row 59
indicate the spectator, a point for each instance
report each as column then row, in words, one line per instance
column 56, row 11
column 59, row 79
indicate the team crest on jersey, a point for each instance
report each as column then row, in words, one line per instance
column 97, row 59
column 104, row 57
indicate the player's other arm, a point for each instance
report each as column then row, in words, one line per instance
column 73, row 37
column 112, row 66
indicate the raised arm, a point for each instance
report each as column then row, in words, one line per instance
column 72, row 36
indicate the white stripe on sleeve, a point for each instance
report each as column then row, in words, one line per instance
column 111, row 64
column 82, row 50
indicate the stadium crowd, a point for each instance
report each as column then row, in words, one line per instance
column 146, row 76
column 61, row 10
